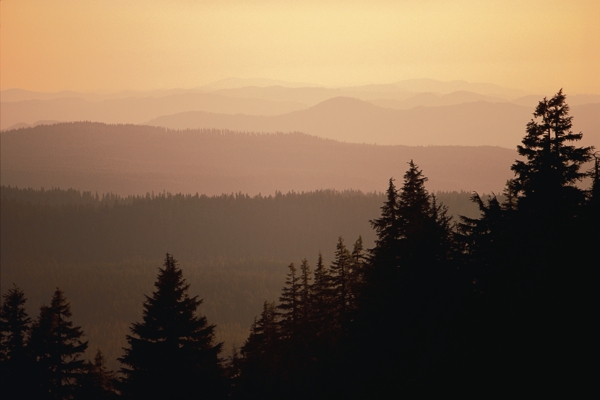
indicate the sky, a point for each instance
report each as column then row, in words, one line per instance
column 114, row 45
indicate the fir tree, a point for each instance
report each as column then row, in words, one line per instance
column 172, row 353
column 422, row 224
column 357, row 273
column 519, row 251
column 546, row 180
column 264, row 333
column 14, row 333
column 57, row 347
column 321, row 292
column 387, row 230
column 305, row 294
column 289, row 303
column 340, row 284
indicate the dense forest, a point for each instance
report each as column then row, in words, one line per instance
column 497, row 303
column 102, row 250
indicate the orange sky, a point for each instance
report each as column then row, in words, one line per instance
column 112, row 45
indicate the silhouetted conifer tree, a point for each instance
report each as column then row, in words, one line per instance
column 526, row 255
column 16, row 365
column 289, row 303
column 357, row 273
column 305, row 296
column 260, row 357
column 57, row 347
column 341, row 285
column 321, row 293
column 172, row 353
column 546, row 180
column 387, row 229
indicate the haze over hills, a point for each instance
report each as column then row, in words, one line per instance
column 135, row 109
column 459, row 112
column 352, row 120
column 133, row 159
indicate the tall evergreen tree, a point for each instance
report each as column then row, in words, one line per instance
column 57, row 347
column 289, row 303
column 305, row 295
column 321, row 289
column 14, row 332
column 548, row 176
column 172, row 353
column 258, row 366
column 357, row 273
column 341, row 284
column 387, row 229
column 527, row 255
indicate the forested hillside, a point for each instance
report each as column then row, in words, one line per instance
column 134, row 159
column 383, row 292
column 103, row 250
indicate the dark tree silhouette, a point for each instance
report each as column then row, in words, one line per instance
column 387, row 229
column 172, row 353
column 305, row 296
column 547, row 178
column 321, row 294
column 289, row 303
column 258, row 367
column 526, row 256
column 341, row 285
column 57, row 347
column 97, row 383
column 14, row 332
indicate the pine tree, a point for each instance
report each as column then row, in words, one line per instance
column 416, row 217
column 528, row 255
column 57, row 347
column 172, row 353
column 546, row 180
column 264, row 333
column 14, row 333
column 289, row 303
column 321, row 293
column 357, row 273
column 341, row 284
column 387, row 230
column 305, row 295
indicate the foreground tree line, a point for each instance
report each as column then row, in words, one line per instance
column 496, row 304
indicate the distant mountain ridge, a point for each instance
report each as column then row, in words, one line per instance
column 134, row 159
column 348, row 119
column 135, row 110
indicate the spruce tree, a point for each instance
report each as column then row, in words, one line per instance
column 423, row 225
column 387, row 229
column 527, row 256
column 14, row 333
column 321, row 289
column 258, row 372
column 341, row 284
column 172, row 353
column 57, row 347
column 305, row 296
column 322, row 302
column 546, row 179
column 289, row 303
column 357, row 273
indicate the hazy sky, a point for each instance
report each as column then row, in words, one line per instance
column 111, row 45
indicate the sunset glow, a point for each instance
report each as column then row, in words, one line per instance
column 117, row 45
